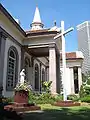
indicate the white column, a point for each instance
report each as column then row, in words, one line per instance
column 45, row 73
column 79, row 77
column 72, row 80
column 52, row 68
column 48, row 74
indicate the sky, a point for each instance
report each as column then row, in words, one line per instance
column 73, row 12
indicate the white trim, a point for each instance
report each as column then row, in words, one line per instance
column 79, row 54
column 82, row 25
column 37, row 36
column 63, row 33
column 40, row 45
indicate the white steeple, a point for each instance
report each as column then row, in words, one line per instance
column 37, row 16
column 37, row 24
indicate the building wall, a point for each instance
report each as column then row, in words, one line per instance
column 83, row 34
column 14, row 38
column 10, row 43
column 69, row 83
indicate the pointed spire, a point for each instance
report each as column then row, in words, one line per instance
column 37, row 24
column 37, row 16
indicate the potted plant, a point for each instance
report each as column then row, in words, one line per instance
column 22, row 92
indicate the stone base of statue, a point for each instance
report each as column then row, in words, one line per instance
column 21, row 96
column 20, row 103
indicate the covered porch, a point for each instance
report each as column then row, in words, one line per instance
column 50, row 52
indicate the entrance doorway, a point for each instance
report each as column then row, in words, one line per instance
column 76, row 86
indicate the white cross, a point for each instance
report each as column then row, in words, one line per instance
column 64, row 77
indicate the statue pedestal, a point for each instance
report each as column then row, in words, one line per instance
column 21, row 103
column 21, row 96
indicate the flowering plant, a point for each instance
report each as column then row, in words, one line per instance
column 25, row 86
column 46, row 86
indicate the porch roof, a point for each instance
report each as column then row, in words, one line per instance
column 40, row 32
column 73, row 55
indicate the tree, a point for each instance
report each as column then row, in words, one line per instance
column 86, row 78
column 85, row 87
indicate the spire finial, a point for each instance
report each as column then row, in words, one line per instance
column 36, row 3
column 54, row 22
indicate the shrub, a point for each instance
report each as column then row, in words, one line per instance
column 86, row 78
column 7, row 100
column 33, row 97
column 73, row 97
column 82, row 91
column 44, row 98
column 85, row 99
column 87, row 90
column 58, row 97
column 46, row 86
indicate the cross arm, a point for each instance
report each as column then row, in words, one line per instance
column 65, row 32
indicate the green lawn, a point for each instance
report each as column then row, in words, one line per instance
column 56, row 113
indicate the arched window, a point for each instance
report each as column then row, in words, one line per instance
column 36, row 77
column 12, row 68
column 27, row 65
column 43, row 75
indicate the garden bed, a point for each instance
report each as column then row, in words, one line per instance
column 66, row 103
column 85, row 104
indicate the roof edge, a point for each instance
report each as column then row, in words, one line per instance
column 7, row 14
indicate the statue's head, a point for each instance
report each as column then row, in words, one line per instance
column 23, row 70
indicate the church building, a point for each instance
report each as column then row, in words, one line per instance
column 38, row 53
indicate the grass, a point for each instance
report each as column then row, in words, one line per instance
column 50, row 112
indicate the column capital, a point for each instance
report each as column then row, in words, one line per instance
column 2, row 35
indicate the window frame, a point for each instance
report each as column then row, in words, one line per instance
column 15, row 74
column 36, row 66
